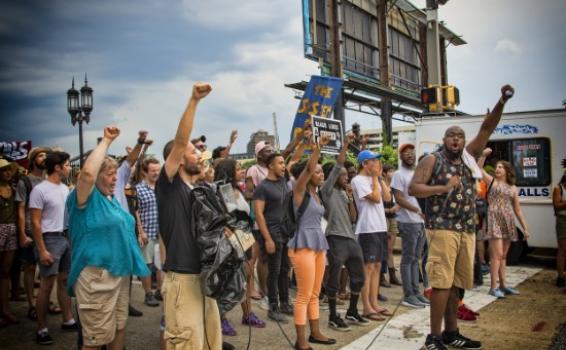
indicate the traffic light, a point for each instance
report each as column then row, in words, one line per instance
column 450, row 97
column 439, row 98
column 430, row 97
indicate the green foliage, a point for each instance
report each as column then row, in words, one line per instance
column 389, row 155
column 248, row 164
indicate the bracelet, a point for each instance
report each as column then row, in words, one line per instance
column 501, row 101
column 140, row 142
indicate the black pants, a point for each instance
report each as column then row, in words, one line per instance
column 344, row 251
column 278, row 275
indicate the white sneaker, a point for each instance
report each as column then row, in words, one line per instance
column 264, row 303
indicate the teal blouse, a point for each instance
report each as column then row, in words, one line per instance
column 102, row 234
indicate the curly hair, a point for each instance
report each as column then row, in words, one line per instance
column 510, row 177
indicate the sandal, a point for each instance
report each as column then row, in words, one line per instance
column 256, row 296
column 32, row 313
column 384, row 312
column 54, row 309
column 374, row 316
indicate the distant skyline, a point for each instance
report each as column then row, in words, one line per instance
column 143, row 56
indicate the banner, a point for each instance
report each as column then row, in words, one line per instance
column 331, row 128
column 16, row 151
column 318, row 100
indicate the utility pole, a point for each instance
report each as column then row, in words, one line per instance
column 433, row 46
column 386, row 104
column 275, row 131
column 336, row 51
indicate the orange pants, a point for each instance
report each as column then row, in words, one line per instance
column 309, row 270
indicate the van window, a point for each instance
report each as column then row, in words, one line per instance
column 530, row 159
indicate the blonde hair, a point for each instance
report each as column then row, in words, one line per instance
column 108, row 163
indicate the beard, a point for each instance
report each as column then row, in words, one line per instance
column 192, row 169
column 453, row 155
column 40, row 166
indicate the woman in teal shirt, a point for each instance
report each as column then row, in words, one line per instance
column 104, row 250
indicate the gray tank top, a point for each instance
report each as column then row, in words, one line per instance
column 309, row 231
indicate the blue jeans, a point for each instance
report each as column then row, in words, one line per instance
column 413, row 240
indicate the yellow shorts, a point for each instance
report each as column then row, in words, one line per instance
column 450, row 259
column 187, row 314
column 102, row 303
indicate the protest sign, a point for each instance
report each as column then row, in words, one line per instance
column 318, row 100
column 331, row 128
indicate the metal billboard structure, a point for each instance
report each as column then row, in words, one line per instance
column 379, row 48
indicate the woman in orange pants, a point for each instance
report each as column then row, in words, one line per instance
column 307, row 249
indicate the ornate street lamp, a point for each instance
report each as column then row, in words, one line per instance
column 80, row 113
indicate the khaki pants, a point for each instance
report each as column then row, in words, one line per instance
column 102, row 302
column 450, row 259
column 188, row 314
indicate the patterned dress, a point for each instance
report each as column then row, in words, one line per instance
column 500, row 214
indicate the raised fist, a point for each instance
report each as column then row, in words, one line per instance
column 324, row 140
column 486, row 152
column 200, row 90
column 111, row 132
column 233, row 136
column 507, row 92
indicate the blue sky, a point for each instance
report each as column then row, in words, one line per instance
column 143, row 56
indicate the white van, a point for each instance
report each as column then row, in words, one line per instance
column 534, row 142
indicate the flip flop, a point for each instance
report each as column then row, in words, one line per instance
column 374, row 316
column 255, row 296
column 54, row 309
column 385, row 312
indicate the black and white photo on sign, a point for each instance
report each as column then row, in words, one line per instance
column 330, row 127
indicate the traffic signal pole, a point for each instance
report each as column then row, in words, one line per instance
column 386, row 103
column 433, row 47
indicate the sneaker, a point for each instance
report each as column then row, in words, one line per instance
column 158, row 295
column 132, row 311
column 413, row 302
column 286, row 309
column 150, row 300
column 496, row 292
column 276, row 315
column 458, row 341
column 43, row 338
column 467, row 309
column 253, row 321
column 264, row 304
column 485, row 269
column 464, row 314
column 228, row 329
column 357, row 319
column 382, row 298
column 434, row 343
column 509, row 291
column 338, row 324
column 422, row 299
column 70, row 327
column 560, row 282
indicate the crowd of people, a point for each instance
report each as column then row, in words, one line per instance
column 204, row 228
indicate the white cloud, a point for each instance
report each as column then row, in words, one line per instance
column 508, row 46
column 229, row 14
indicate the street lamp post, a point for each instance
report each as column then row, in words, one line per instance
column 80, row 112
